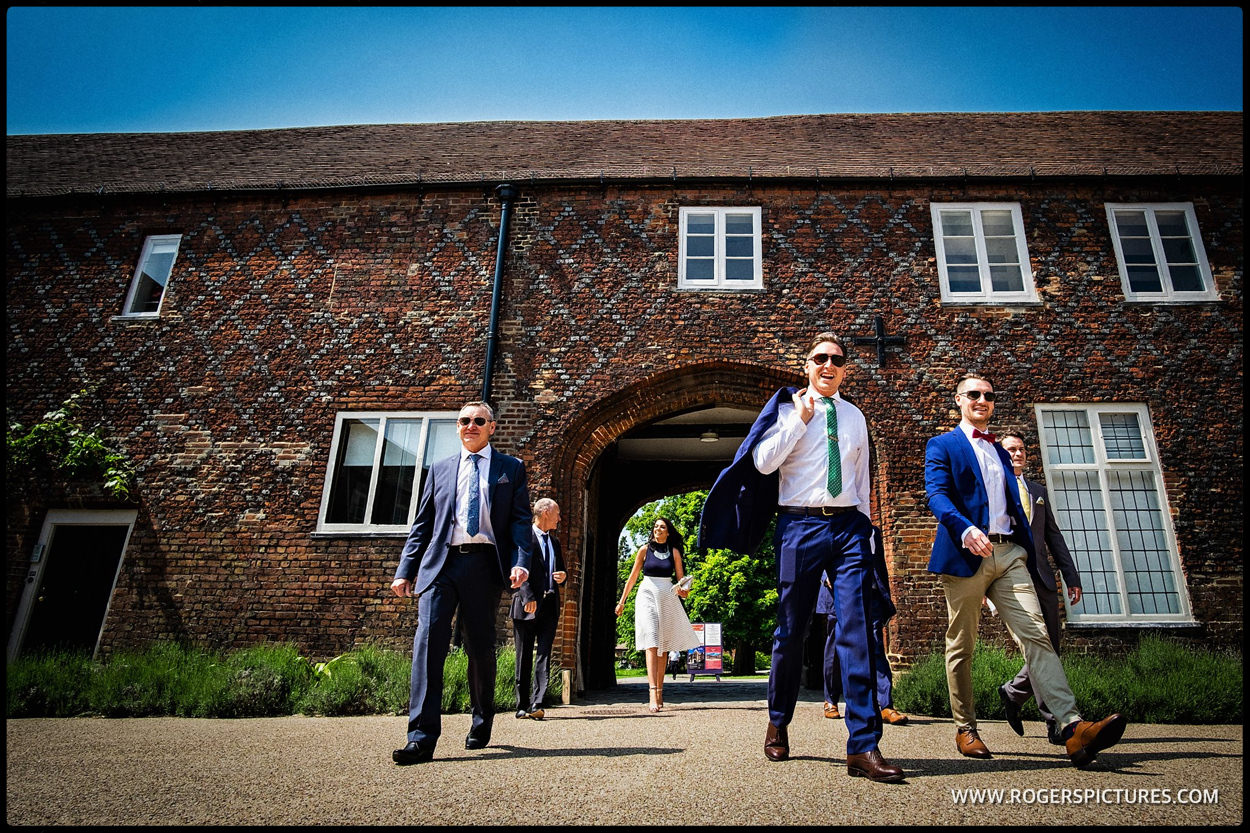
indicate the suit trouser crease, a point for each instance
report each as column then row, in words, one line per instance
column 1020, row 689
column 1005, row 580
column 528, row 634
column 807, row 547
column 470, row 584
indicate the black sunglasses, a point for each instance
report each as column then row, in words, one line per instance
column 820, row 358
column 474, row 420
column 974, row 395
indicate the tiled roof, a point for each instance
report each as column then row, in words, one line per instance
column 846, row 146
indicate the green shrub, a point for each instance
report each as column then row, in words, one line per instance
column 48, row 684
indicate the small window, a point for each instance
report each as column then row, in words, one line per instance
column 378, row 463
column 1106, row 490
column 720, row 249
column 1160, row 253
column 981, row 253
column 156, row 262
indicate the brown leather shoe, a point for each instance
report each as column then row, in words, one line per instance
column 776, row 743
column 831, row 711
column 873, row 766
column 537, row 714
column 969, row 743
column 894, row 717
column 1088, row 739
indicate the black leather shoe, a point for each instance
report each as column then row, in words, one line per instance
column 521, row 714
column 1013, row 712
column 776, row 743
column 873, row 766
column 412, row 754
column 1054, row 735
column 472, row 742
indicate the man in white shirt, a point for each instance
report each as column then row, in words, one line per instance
column 818, row 445
column 983, row 548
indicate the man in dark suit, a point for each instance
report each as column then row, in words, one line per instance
column 880, row 610
column 1048, row 540
column 806, row 457
column 983, row 548
column 470, row 539
column 536, row 611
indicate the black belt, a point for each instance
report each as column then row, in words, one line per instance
column 471, row 549
column 999, row 538
column 816, row 511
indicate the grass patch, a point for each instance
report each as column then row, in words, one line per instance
column 266, row 680
column 1159, row 681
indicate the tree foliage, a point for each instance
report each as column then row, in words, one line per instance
column 59, row 442
column 737, row 590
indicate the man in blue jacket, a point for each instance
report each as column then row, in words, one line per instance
column 983, row 548
column 806, row 457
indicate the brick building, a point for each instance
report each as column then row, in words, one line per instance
column 278, row 326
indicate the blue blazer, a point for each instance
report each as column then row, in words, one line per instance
column 425, row 551
column 742, row 501
column 957, row 497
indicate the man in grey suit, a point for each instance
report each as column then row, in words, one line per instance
column 1048, row 539
column 470, row 539
column 536, row 611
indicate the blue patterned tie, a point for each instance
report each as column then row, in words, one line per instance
column 475, row 500
column 834, row 483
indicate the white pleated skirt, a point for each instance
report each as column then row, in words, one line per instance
column 660, row 621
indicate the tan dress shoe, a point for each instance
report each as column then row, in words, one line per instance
column 894, row 717
column 776, row 743
column 1088, row 739
column 873, row 766
column 969, row 744
column 831, row 711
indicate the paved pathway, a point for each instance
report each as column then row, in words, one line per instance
column 603, row 760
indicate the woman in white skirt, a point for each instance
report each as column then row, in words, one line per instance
column 660, row 622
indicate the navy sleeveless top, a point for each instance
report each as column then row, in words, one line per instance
column 657, row 567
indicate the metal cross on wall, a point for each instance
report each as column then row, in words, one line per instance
column 880, row 339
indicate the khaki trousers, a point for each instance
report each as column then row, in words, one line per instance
column 1004, row 578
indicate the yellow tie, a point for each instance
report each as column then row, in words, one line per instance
column 1025, row 501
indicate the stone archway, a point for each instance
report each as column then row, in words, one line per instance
column 601, row 479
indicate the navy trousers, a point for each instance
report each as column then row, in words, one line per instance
column 542, row 628
column 807, row 547
column 470, row 583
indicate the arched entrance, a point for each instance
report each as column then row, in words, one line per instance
column 649, row 440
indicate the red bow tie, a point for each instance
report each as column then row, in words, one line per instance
column 981, row 435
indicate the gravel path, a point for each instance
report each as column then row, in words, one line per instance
column 602, row 760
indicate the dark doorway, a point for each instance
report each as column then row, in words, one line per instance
column 68, row 608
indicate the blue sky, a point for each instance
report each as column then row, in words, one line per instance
column 87, row 70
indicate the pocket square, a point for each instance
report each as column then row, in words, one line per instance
column 503, row 479
column 1041, row 501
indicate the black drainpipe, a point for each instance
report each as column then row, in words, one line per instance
column 506, row 194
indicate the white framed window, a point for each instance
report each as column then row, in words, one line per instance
column 378, row 462
column 156, row 262
column 982, row 256
column 719, row 248
column 1106, row 490
column 1160, row 253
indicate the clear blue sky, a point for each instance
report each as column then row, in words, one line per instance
column 86, row 70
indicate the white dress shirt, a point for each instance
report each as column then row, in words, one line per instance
column 994, row 478
column 799, row 453
column 459, row 530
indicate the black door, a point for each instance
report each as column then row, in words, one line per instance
column 68, row 611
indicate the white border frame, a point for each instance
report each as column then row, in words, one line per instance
column 719, row 282
column 1168, row 295
column 148, row 243
column 987, row 295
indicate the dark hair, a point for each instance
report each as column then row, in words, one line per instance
column 1007, row 434
column 968, row 376
column 821, row 338
column 674, row 535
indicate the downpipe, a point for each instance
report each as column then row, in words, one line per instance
column 506, row 194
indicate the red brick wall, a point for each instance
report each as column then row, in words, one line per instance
column 286, row 309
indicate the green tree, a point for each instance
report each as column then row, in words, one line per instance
column 737, row 590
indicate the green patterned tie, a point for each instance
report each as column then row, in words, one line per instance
column 834, row 483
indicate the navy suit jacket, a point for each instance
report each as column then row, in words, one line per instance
column 742, row 501
column 957, row 497
column 425, row 551
column 534, row 587
column 1048, row 539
